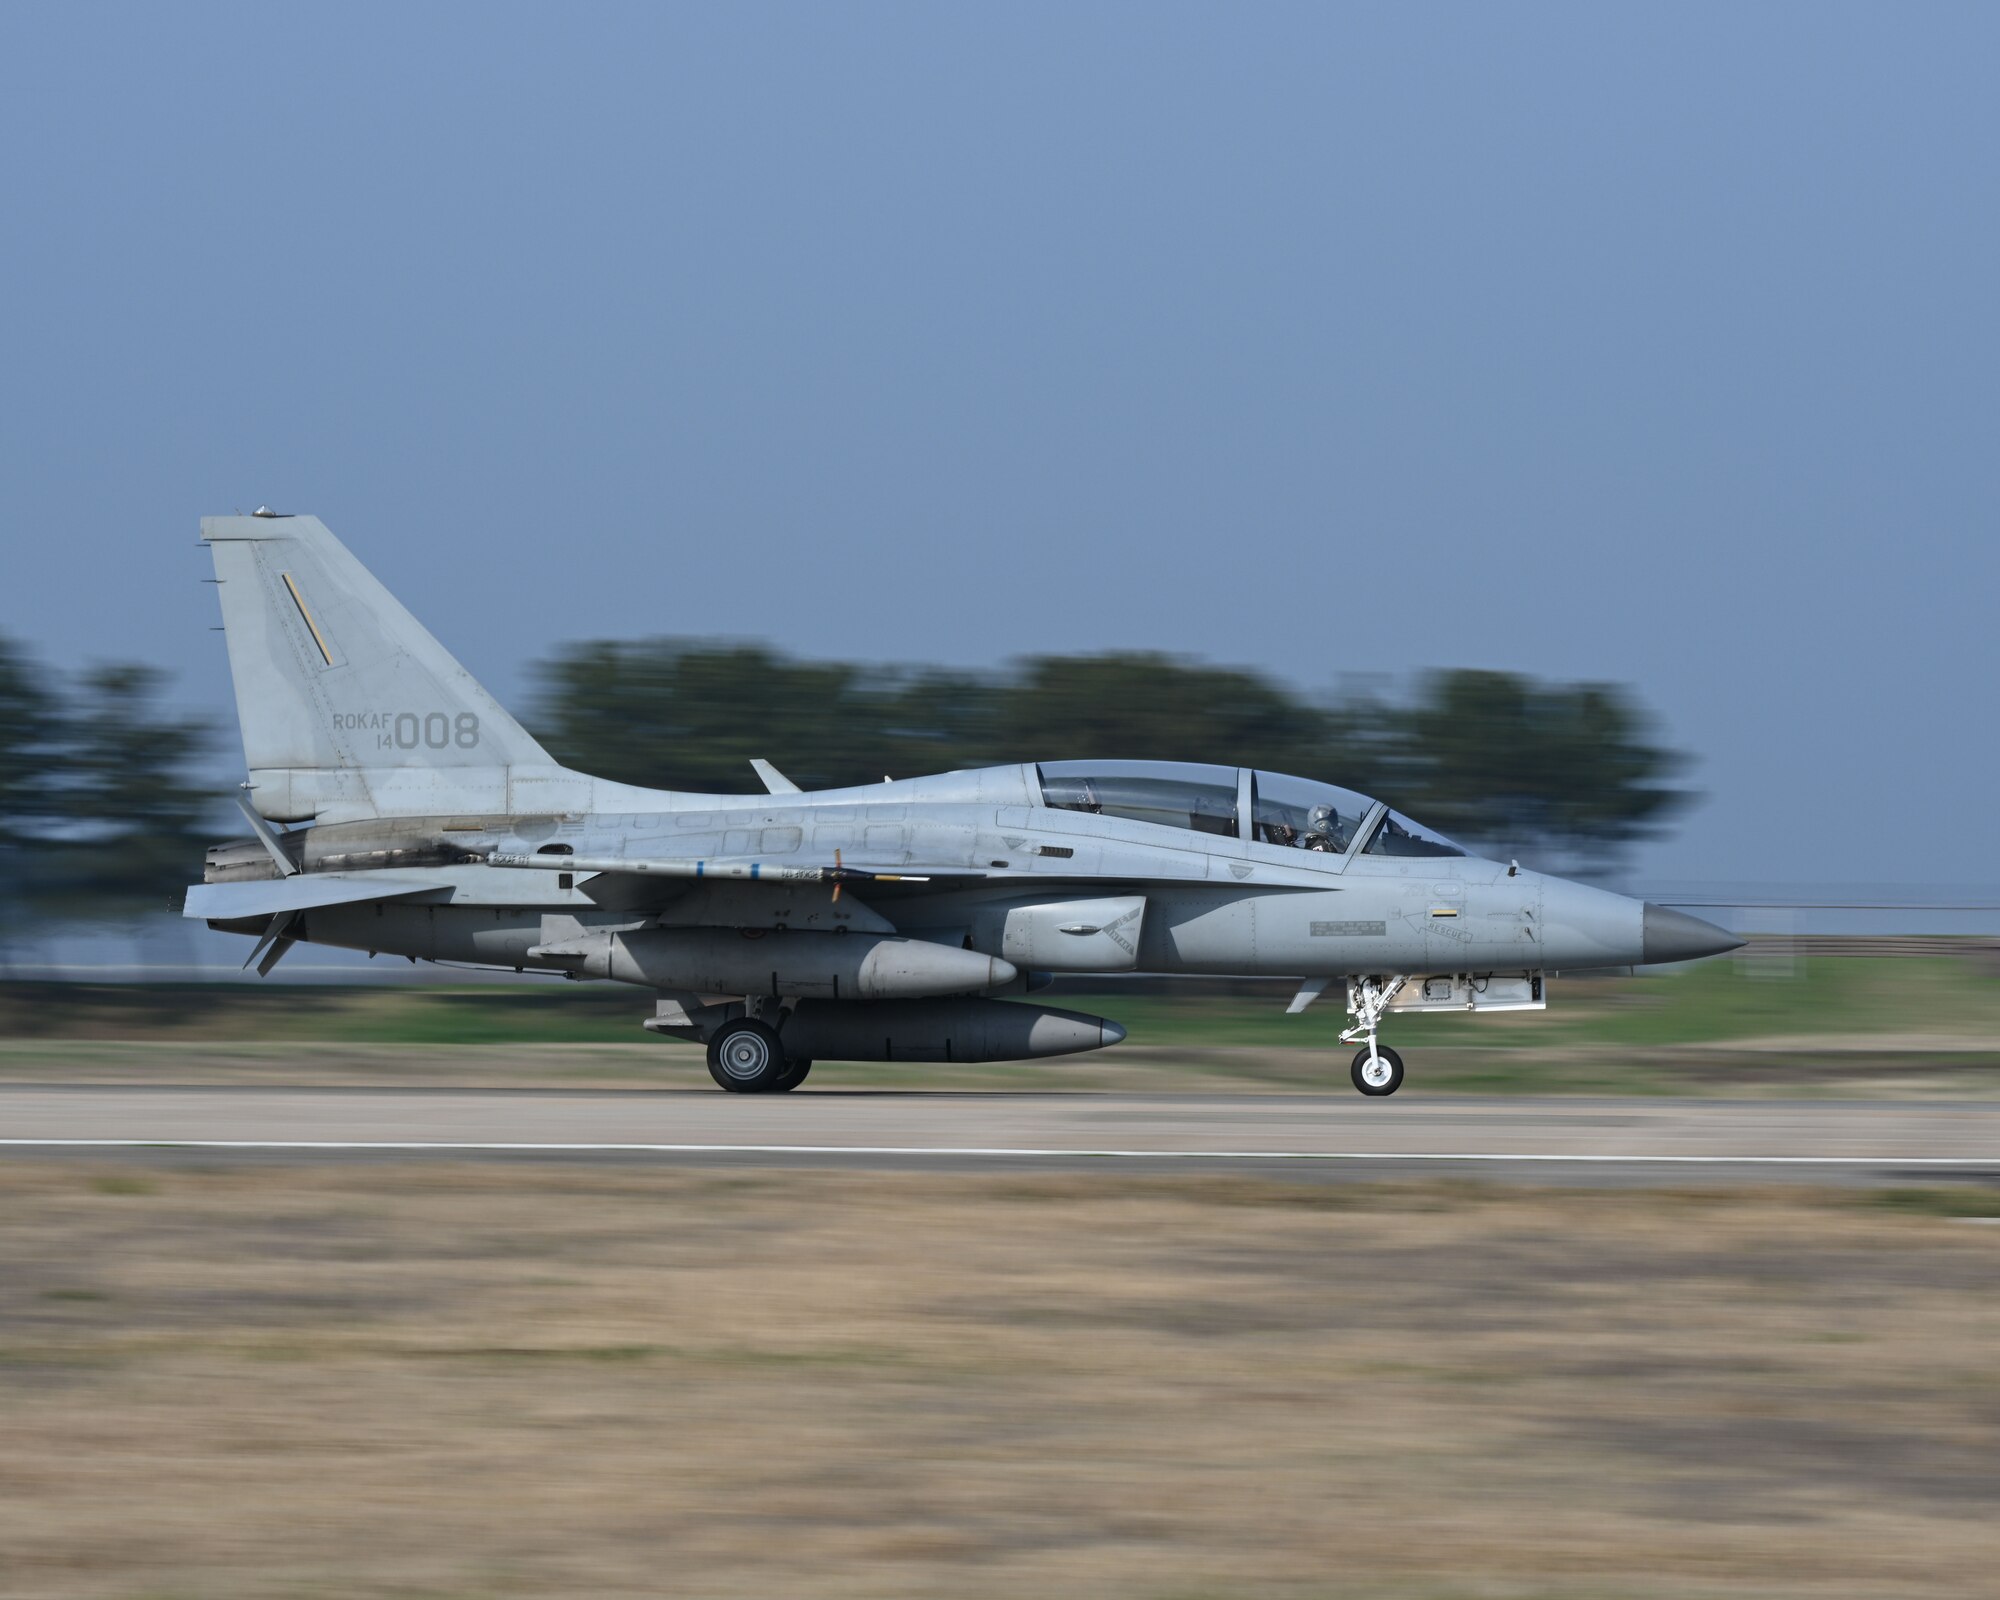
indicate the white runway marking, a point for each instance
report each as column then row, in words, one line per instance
column 997, row 1152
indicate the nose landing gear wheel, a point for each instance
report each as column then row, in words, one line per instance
column 1378, row 1072
column 745, row 1057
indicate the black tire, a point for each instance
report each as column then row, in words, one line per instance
column 795, row 1074
column 1380, row 1085
column 745, row 1057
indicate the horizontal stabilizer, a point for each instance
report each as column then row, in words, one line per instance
column 271, row 897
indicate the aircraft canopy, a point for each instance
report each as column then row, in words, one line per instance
column 1282, row 810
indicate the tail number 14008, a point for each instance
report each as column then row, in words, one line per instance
column 435, row 731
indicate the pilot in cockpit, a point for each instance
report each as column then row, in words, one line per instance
column 1323, row 831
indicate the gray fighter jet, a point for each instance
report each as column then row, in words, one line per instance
column 895, row 922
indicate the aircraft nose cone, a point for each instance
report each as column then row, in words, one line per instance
column 1676, row 936
column 1112, row 1033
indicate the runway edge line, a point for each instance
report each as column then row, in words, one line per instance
column 989, row 1152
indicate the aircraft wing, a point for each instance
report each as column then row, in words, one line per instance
column 714, row 869
column 272, row 897
column 651, row 886
column 638, row 883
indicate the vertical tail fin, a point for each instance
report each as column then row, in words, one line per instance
column 349, row 708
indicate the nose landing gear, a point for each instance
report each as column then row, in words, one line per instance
column 1377, row 1069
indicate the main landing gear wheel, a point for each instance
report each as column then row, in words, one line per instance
column 1378, row 1071
column 795, row 1074
column 745, row 1057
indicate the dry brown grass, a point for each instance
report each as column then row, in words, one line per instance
column 456, row 1380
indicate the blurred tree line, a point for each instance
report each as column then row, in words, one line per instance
column 1566, row 775
column 103, row 815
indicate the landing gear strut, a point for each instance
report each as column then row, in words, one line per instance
column 1377, row 1069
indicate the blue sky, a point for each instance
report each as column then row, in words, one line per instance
column 1658, row 345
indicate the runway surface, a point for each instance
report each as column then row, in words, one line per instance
column 1597, row 1140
